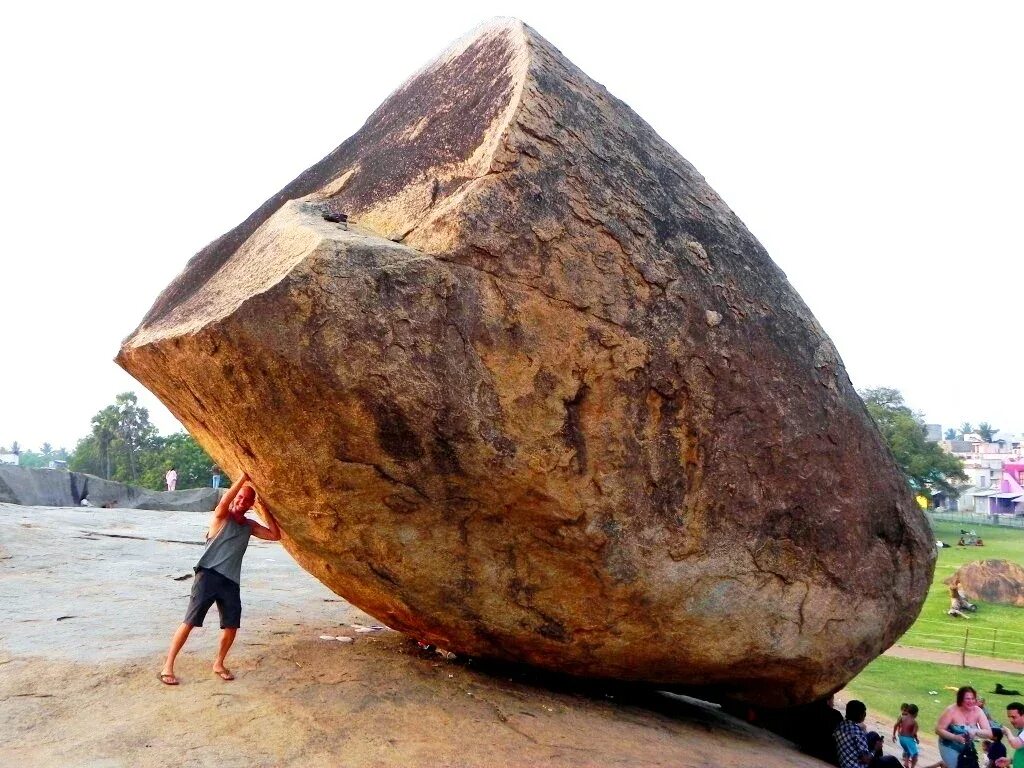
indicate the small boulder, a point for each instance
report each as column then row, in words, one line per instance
column 992, row 581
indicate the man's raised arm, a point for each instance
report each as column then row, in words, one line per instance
column 270, row 532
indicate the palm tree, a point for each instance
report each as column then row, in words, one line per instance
column 966, row 428
column 134, row 429
column 987, row 432
column 104, row 429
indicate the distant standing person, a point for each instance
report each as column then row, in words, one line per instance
column 219, row 570
column 216, row 477
column 988, row 715
column 172, row 479
column 959, row 725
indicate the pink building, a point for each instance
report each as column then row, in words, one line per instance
column 1006, row 498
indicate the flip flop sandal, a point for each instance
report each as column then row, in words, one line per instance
column 224, row 674
column 167, row 679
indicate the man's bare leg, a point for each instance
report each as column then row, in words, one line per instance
column 227, row 637
column 177, row 641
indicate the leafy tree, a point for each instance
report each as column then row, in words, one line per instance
column 32, row 460
column 15, row 448
column 986, row 432
column 42, row 457
column 133, row 429
column 104, row 430
column 182, row 452
column 122, row 432
column 926, row 466
column 87, row 457
column 966, row 428
column 124, row 446
column 951, row 434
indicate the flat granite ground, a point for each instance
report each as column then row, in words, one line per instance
column 89, row 598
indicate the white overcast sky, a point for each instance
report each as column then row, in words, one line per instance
column 876, row 149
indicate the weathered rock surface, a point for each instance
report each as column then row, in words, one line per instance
column 546, row 399
column 994, row 581
column 58, row 488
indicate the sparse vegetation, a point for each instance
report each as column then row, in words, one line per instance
column 125, row 446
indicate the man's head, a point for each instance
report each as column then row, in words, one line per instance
column 966, row 697
column 856, row 711
column 242, row 502
column 1015, row 714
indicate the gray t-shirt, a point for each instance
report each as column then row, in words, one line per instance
column 224, row 552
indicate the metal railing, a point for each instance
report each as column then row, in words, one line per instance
column 970, row 518
column 959, row 635
column 964, row 639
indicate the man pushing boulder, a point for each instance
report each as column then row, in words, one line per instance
column 219, row 570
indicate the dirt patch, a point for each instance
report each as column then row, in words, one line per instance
column 377, row 701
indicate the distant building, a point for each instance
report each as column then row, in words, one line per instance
column 995, row 491
column 957, row 447
column 994, row 471
column 983, row 473
column 933, row 432
column 973, row 447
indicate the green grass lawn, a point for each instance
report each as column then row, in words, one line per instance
column 995, row 630
column 887, row 682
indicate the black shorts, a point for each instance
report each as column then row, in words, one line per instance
column 211, row 587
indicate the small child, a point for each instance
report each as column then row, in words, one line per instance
column 996, row 748
column 899, row 720
column 905, row 729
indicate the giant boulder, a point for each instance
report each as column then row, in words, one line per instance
column 545, row 399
